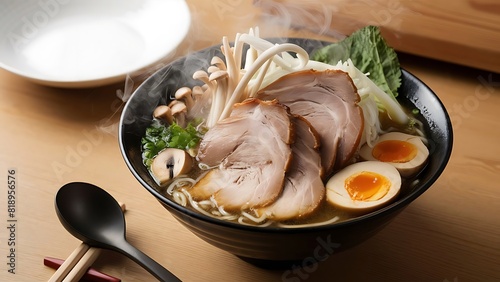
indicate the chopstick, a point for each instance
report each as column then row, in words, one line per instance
column 69, row 263
column 78, row 262
column 91, row 275
column 82, row 265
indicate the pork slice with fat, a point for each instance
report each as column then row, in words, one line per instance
column 304, row 189
column 328, row 100
column 251, row 158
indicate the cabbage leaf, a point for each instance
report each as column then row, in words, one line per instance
column 370, row 53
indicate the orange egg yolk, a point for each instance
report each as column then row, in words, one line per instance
column 367, row 186
column 394, row 151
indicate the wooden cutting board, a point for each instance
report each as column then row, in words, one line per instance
column 465, row 32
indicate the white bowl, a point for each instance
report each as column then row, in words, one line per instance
column 83, row 43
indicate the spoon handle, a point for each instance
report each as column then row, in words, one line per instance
column 148, row 263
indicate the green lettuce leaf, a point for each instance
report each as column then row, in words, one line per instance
column 370, row 53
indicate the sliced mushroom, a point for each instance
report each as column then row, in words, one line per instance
column 163, row 113
column 184, row 94
column 169, row 164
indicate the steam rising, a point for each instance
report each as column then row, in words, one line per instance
column 317, row 17
column 274, row 19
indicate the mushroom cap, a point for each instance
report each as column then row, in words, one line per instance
column 197, row 90
column 164, row 113
column 201, row 75
column 212, row 69
column 183, row 92
column 178, row 107
column 217, row 61
column 173, row 102
column 218, row 75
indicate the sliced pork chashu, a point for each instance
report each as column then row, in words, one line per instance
column 328, row 100
column 251, row 149
column 304, row 189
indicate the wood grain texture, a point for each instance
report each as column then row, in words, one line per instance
column 465, row 32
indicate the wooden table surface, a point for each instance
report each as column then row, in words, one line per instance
column 53, row 136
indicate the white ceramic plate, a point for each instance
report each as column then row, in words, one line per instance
column 83, row 43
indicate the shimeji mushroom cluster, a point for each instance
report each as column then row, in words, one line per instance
column 233, row 80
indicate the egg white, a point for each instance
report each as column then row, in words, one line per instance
column 338, row 196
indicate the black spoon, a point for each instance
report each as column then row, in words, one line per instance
column 92, row 215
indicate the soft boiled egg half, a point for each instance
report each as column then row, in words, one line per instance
column 363, row 186
column 407, row 153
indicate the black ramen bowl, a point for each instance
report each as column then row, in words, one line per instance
column 274, row 245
